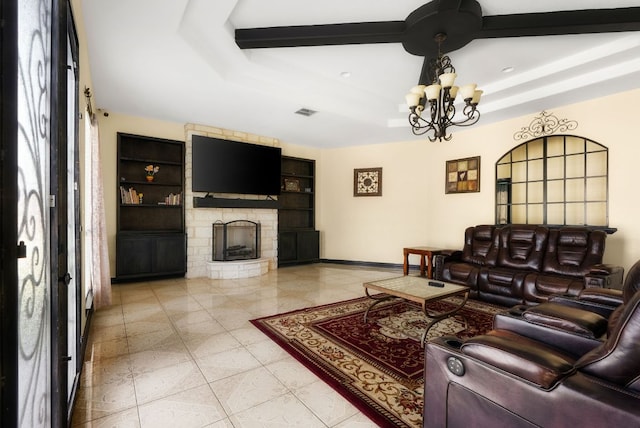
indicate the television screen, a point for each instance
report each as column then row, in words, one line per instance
column 223, row 166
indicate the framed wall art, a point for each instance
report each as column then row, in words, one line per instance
column 463, row 175
column 367, row 182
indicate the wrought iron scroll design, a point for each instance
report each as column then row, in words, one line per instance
column 545, row 124
column 34, row 140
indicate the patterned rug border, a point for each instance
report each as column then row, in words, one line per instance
column 293, row 349
column 337, row 380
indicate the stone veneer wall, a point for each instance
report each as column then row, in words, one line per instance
column 198, row 220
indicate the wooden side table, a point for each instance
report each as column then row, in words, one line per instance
column 426, row 259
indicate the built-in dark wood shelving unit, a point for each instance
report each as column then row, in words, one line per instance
column 151, row 239
column 298, row 241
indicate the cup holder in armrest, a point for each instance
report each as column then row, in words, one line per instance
column 453, row 342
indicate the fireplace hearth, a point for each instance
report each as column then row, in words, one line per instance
column 236, row 240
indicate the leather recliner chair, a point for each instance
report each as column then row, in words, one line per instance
column 572, row 324
column 504, row 379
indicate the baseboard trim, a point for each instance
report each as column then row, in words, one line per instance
column 363, row 264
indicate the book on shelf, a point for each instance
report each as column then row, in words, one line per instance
column 173, row 199
column 129, row 196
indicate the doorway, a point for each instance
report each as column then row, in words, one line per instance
column 38, row 350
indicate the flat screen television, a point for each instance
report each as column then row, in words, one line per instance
column 223, row 166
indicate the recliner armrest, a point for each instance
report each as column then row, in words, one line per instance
column 567, row 318
column 569, row 343
column 604, row 276
column 523, row 357
column 602, row 301
column 450, row 255
column 603, row 296
column 441, row 258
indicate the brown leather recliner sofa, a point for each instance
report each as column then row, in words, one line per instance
column 574, row 325
column 504, row 379
column 526, row 264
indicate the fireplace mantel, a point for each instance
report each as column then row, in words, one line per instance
column 208, row 202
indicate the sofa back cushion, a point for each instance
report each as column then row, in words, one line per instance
column 522, row 246
column 573, row 250
column 480, row 245
column 616, row 360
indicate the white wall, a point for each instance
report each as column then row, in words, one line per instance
column 414, row 210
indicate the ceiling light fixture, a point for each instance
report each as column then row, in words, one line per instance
column 440, row 97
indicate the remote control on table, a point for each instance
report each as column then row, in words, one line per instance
column 436, row 284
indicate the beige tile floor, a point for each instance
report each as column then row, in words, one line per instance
column 182, row 353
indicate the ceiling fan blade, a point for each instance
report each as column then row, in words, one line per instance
column 320, row 35
column 561, row 22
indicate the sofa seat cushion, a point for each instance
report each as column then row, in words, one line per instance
column 501, row 285
column 538, row 287
column 461, row 273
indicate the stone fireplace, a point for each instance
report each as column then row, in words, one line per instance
column 198, row 220
column 236, row 240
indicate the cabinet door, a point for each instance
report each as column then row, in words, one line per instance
column 134, row 255
column 308, row 245
column 170, row 254
column 287, row 246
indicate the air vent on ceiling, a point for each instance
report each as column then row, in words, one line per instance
column 306, row 112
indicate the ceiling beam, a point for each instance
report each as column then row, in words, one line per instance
column 560, row 23
column 320, row 35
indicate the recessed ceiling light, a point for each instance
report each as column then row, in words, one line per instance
column 508, row 69
column 345, row 74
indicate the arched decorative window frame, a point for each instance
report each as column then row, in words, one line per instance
column 548, row 174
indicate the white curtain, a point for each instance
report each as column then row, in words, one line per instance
column 100, row 274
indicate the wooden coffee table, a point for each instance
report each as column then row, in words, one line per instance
column 416, row 289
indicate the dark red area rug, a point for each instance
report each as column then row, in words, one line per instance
column 377, row 366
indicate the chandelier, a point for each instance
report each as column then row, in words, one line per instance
column 438, row 99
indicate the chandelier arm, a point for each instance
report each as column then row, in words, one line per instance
column 470, row 120
column 417, row 127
